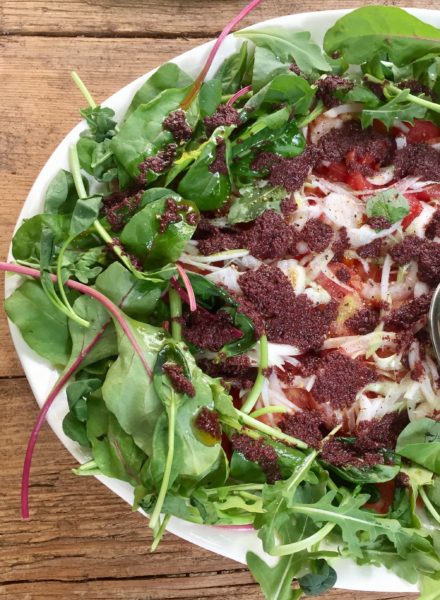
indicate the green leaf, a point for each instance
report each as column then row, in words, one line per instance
column 167, row 76
column 139, row 296
column 84, row 265
column 398, row 108
column 100, row 121
column 420, row 442
column 320, row 580
column 127, row 379
column 210, row 97
column 390, row 204
column 366, row 31
column 86, row 211
column 113, row 450
column 207, row 189
column 74, row 423
column 253, row 202
column 289, row 47
column 142, row 235
column 142, row 134
column 61, row 194
column 286, row 87
column 43, row 328
column 275, row 582
column 232, row 71
column 26, row 240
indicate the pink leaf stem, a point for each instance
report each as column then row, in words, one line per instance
column 188, row 287
column 238, row 95
column 186, row 103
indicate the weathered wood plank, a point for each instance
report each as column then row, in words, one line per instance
column 151, row 17
column 40, row 105
column 84, row 542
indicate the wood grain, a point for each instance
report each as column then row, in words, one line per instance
column 84, row 542
column 153, row 18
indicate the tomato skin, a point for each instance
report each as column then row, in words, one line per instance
column 357, row 181
column 386, row 491
column 422, row 131
column 415, row 208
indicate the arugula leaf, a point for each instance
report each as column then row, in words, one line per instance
column 420, row 442
column 289, row 47
column 253, row 202
column 390, row 204
column 398, row 108
column 275, row 582
column 369, row 30
column 43, row 328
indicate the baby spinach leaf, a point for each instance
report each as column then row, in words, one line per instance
column 398, row 108
column 253, row 202
column 289, row 47
column 369, row 30
column 210, row 96
column 85, row 213
column 127, row 379
column 390, row 204
column 167, row 76
column 232, row 71
column 284, row 88
column 143, row 236
column 266, row 66
column 43, row 328
column 208, row 189
column 61, row 194
column 142, row 133
column 139, row 296
column 374, row 474
column 113, row 450
column 97, row 159
column 321, row 578
column 26, row 241
column 420, row 442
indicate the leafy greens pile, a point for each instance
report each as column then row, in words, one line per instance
column 123, row 405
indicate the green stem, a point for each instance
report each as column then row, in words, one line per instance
column 236, row 488
column 154, row 520
column 286, row 549
column 103, row 158
column 318, row 110
column 415, row 99
column 82, row 88
column 428, row 505
column 255, row 392
column 160, row 532
column 270, row 431
column 176, row 312
column 75, row 169
column 61, row 288
column 268, row 410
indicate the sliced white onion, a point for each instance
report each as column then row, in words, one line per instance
column 401, row 126
column 383, row 177
column 419, row 224
column 349, row 107
column 365, row 234
column 323, row 125
column 227, row 276
column 420, row 288
column 385, row 278
column 345, row 210
column 400, row 142
column 317, row 294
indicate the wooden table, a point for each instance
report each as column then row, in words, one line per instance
column 82, row 541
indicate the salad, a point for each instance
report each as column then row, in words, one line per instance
column 234, row 283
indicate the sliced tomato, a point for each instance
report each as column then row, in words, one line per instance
column 431, row 192
column 422, row 131
column 386, row 491
column 357, row 181
column 337, row 171
column 337, row 292
column 415, row 208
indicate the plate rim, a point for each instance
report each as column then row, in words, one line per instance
column 230, row 543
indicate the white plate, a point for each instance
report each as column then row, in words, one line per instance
column 41, row 376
